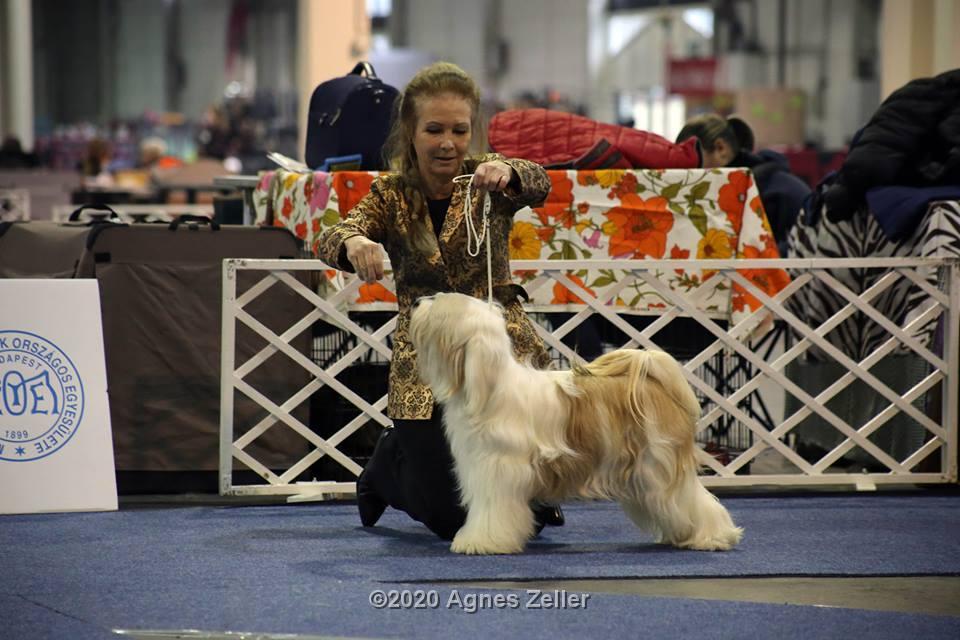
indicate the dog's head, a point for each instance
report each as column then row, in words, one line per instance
column 461, row 343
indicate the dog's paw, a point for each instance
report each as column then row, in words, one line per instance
column 707, row 545
column 721, row 541
column 478, row 545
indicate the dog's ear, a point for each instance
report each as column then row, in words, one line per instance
column 483, row 362
column 440, row 366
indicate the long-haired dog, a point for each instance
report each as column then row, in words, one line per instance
column 621, row 427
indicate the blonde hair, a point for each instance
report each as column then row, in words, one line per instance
column 431, row 81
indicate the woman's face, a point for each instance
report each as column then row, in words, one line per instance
column 442, row 136
column 720, row 156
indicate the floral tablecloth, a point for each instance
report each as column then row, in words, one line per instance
column 606, row 214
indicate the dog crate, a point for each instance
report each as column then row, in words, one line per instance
column 367, row 376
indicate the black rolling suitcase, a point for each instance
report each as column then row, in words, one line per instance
column 160, row 291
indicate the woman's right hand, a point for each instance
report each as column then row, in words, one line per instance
column 366, row 256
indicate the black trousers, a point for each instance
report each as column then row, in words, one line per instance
column 411, row 469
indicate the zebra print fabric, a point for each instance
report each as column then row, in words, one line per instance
column 938, row 235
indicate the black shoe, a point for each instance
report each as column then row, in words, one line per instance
column 548, row 514
column 371, row 506
column 537, row 526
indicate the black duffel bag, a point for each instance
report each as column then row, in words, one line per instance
column 349, row 116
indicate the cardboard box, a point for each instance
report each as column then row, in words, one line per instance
column 777, row 116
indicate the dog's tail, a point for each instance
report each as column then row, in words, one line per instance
column 639, row 366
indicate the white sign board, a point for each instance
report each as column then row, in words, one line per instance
column 56, row 446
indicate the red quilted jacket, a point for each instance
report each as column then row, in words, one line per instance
column 556, row 138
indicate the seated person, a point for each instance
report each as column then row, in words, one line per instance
column 153, row 155
column 94, row 166
column 728, row 142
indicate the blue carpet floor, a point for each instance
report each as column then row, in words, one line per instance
column 310, row 569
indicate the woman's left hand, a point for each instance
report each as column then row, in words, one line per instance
column 492, row 176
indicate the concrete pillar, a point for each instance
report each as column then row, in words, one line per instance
column 332, row 36
column 17, row 111
column 946, row 36
column 917, row 40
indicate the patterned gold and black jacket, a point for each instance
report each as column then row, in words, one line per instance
column 392, row 214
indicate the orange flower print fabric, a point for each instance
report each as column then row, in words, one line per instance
column 639, row 227
column 618, row 214
column 563, row 295
column 351, row 186
column 733, row 197
column 559, row 203
column 770, row 281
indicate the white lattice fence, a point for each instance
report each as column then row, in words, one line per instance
column 772, row 349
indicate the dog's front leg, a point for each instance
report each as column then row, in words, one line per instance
column 496, row 493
